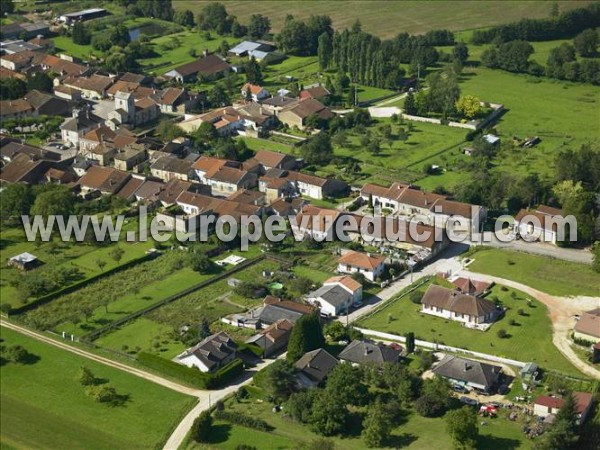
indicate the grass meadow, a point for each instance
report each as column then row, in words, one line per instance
column 553, row 276
column 415, row 432
column 524, row 330
column 44, row 406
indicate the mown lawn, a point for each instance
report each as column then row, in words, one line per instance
column 43, row 406
column 553, row 276
column 529, row 337
column 415, row 432
column 180, row 52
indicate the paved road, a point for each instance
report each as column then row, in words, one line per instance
column 447, row 261
column 538, row 248
column 562, row 311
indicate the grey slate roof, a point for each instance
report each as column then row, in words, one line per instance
column 468, row 371
column 317, row 364
column 272, row 313
column 333, row 294
column 361, row 352
column 212, row 350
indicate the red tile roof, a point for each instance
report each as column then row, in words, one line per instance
column 362, row 260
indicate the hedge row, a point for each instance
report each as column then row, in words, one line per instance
column 192, row 376
column 237, row 418
column 76, row 286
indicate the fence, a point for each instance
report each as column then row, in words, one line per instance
column 97, row 333
column 440, row 347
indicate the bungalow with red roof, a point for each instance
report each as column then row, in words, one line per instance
column 545, row 405
column 370, row 266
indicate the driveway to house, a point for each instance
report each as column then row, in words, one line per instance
column 562, row 311
column 537, row 248
column 447, row 261
column 205, row 400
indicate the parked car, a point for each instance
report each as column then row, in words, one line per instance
column 468, row 401
column 459, row 388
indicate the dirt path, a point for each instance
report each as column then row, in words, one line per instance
column 117, row 365
column 205, row 398
column 562, row 311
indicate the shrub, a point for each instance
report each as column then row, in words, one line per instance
column 243, row 420
column 415, row 297
column 502, row 334
column 86, row 377
column 17, row 354
column 192, row 376
column 202, row 427
column 520, row 312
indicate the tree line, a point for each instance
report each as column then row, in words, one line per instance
column 562, row 63
column 562, row 26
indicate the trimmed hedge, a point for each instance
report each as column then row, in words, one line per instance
column 73, row 287
column 237, row 418
column 192, row 376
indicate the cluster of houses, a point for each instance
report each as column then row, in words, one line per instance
column 259, row 111
column 407, row 200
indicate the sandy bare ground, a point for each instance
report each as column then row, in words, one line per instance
column 562, row 311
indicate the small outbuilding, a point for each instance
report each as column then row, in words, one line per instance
column 24, row 261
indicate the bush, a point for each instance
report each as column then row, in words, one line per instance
column 237, row 418
column 520, row 312
column 17, row 354
column 502, row 334
column 192, row 376
column 415, row 297
column 202, row 427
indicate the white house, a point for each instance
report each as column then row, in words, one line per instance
column 336, row 295
column 210, row 354
column 257, row 93
column 353, row 287
column 370, row 266
column 542, row 223
column 451, row 304
column 546, row 405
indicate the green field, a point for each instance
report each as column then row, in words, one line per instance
column 415, row 432
column 43, row 406
column 562, row 114
column 182, row 44
column 549, row 275
column 388, row 18
column 523, row 344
